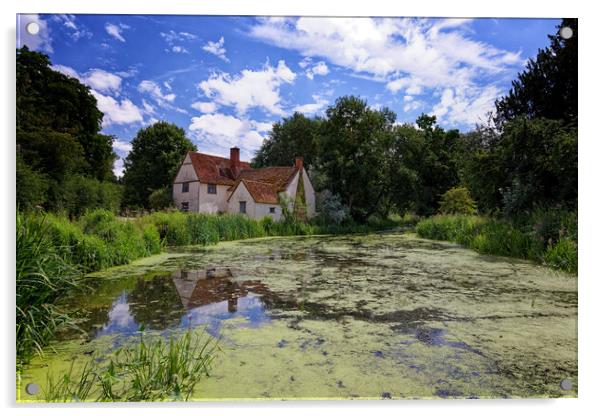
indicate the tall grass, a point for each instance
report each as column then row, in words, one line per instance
column 148, row 371
column 546, row 237
column 42, row 277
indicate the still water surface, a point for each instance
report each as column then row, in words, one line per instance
column 381, row 316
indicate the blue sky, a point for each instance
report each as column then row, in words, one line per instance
column 225, row 80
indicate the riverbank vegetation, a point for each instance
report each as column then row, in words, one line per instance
column 150, row 370
column 548, row 237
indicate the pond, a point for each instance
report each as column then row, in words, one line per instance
column 370, row 317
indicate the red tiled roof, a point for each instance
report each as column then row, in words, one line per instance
column 264, row 184
column 214, row 169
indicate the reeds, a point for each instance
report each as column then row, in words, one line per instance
column 42, row 278
column 546, row 237
column 151, row 370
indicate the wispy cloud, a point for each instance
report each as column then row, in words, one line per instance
column 217, row 49
column 115, row 31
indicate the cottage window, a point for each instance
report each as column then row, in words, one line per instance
column 242, row 205
column 272, row 210
column 211, row 188
column 185, row 206
column 185, row 187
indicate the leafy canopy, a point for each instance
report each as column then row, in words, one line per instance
column 157, row 152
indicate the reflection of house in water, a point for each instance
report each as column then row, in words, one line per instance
column 213, row 285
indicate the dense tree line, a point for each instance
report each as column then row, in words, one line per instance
column 363, row 163
column 63, row 161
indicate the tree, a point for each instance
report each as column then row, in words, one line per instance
column 293, row 136
column 423, row 165
column 548, row 87
column 354, row 140
column 457, row 201
column 49, row 102
column 157, row 152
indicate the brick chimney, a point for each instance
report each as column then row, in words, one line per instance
column 235, row 161
column 299, row 162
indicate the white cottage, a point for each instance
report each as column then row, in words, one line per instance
column 213, row 184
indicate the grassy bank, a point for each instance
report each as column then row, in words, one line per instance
column 547, row 237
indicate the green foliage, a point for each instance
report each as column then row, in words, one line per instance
column 489, row 236
column 423, row 165
column 293, row 136
column 80, row 194
column 151, row 370
column 31, row 187
column 160, row 198
column 548, row 87
column 354, row 141
column 42, row 278
column 157, row 152
column 58, row 122
column 529, row 163
column 58, row 141
column 457, row 201
column 562, row 255
column 330, row 209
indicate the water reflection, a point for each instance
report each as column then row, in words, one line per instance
column 185, row 298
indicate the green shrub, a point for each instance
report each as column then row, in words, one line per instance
column 160, row 198
column 562, row 255
column 457, row 201
column 80, row 194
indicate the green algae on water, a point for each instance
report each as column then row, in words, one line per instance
column 345, row 317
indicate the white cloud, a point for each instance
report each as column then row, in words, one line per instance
column 66, row 70
column 148, row 108
column 204, row 107
column 102, row 80
column 117, row 111
column 40, row 42
column 97, row 79
column 172, row 36
column 469, row 106
column 217, row 133
column 118, row 167
column 217, row 49
column 412, row 56
column 250, row 89
column 175, row 39
column 318, row 69
column 76, row 31
column 154, row 90
column 115, row 31
column 263, row 127
column 122, row 146
column 179, row 49
column 312, row 108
